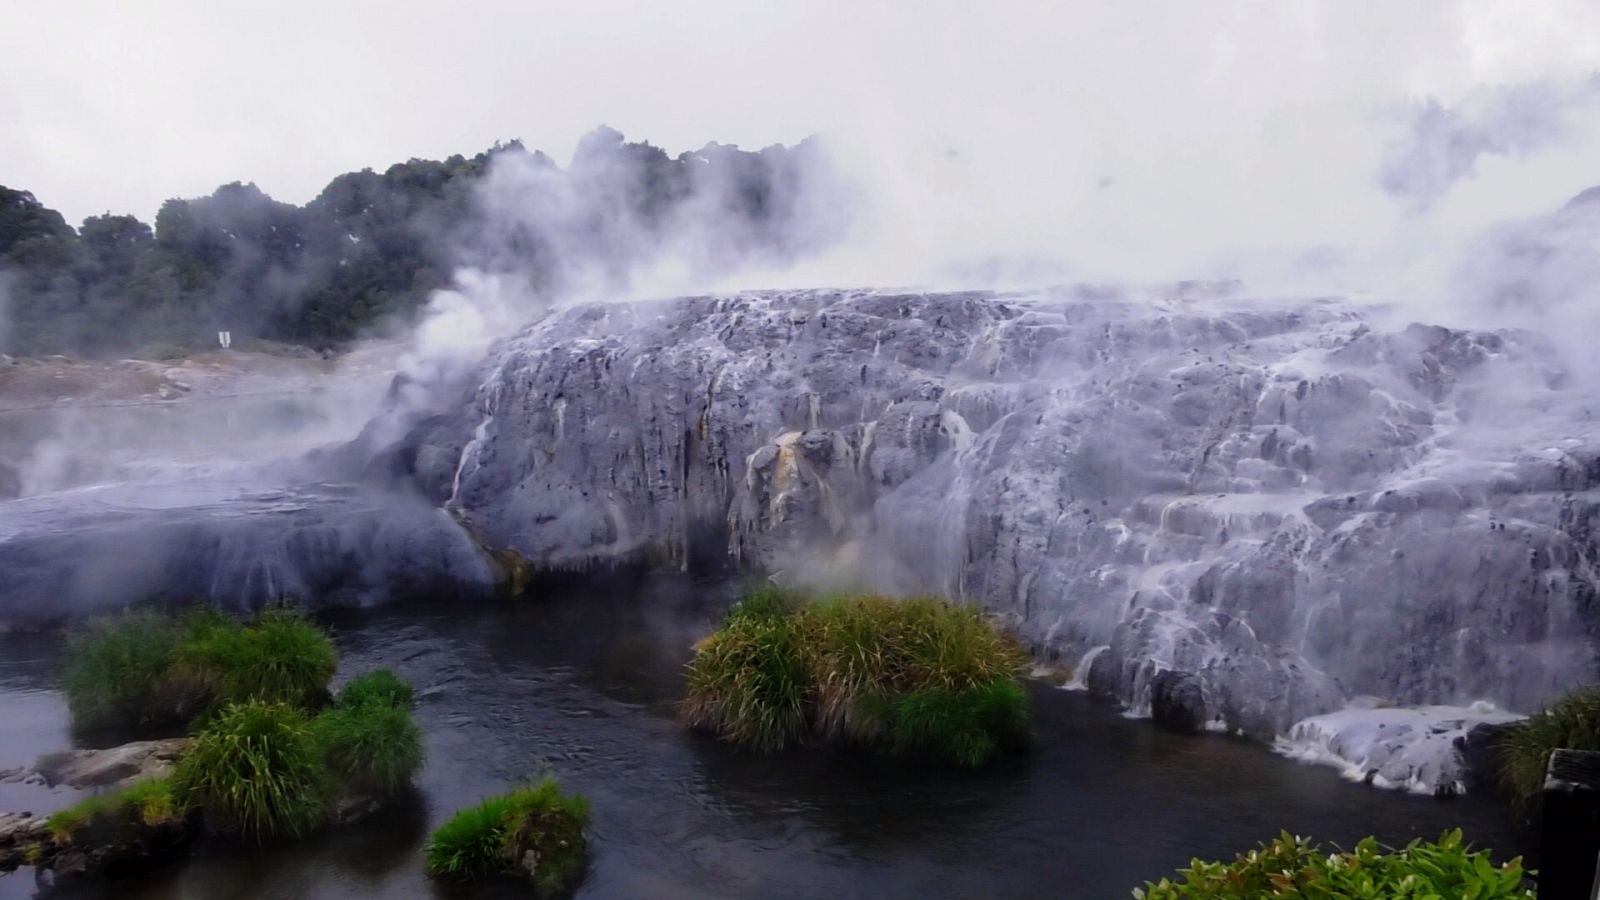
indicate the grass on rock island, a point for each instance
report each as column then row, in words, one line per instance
column 534, row 833
column 271, row 756
column 919, row 676
column 146, row 670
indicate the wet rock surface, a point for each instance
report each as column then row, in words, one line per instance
column 235, row 540
column 1285, row 500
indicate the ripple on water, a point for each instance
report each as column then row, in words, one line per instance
column 583, row 686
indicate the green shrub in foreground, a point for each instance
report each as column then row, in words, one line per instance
column 917, row 676
column 1571, row 722
column 257, row 769
column 1293, row 867
column 370, row 746
column 538, row 826
column 378, row 686
column 151, row 802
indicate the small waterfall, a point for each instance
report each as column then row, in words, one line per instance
column 1080, row 673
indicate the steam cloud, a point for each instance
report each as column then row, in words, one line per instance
column 1442, row 145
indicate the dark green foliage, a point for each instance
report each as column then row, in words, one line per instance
column 281, row 657
column 919, row 676
column 117, row 671
column 496, row 836
column 370, row 746
column 965, row 726
column 371, row 247
column 147, row 669
column 378, row 686
column 151, row 802
column 1572, row 722
column 1293, row 867
column 256, row 769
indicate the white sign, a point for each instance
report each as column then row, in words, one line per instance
column 225, row 338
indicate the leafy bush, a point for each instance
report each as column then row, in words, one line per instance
column 533, row 831
column 378, row 686
column 117, row 671
column 150, row 802
column 1572, row 722
column 1294, row 867
column 257, row 769
column 148, row 669
column 371, row 745
column 919, row 676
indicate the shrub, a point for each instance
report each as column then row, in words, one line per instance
column 256, row 769
column 1294, row 867
column 117, row 671
column 370, row 746
column 917, row 676
column 533, row 831
column 281, row 658
column 377, row 686
column 151, row 802
column 1572, row 722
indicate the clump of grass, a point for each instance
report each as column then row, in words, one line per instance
column 151, row 802
column 917, row 676
column 256, row 769
column 378, row 686
column 280, row 658
column 148, row 669
column 117, row 671
column 535, row 832
column 1571, row 722
column 370, row 746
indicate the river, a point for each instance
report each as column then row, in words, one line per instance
column 581, row 684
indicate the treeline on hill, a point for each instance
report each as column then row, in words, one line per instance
column 370, row 248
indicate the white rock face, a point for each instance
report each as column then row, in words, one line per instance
column 1279, row 499
column 1411, row 749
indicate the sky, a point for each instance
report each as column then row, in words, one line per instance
column 1127, row 139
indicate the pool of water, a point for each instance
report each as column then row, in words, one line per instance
column 583, row 685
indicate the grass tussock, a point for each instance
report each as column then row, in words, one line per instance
column 152, row 802
column 1571, row 722
column 918, row 676
column 120, row 668
column 257, row 769
column 378, row 686
column 370, row 747
column 147, row 669
column 536, row 825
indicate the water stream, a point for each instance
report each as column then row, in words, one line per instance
column 583, row 685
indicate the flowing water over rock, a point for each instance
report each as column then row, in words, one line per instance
column 1263, row 509
column 583, row 686
column 1283, row 503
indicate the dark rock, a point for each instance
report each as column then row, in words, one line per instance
column 1480, row 754
column 1177, row 703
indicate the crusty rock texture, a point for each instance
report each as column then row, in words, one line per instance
column 1290, row 501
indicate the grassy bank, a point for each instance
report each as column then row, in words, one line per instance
column 918, row 676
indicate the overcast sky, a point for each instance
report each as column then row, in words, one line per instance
column 1118, row 138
